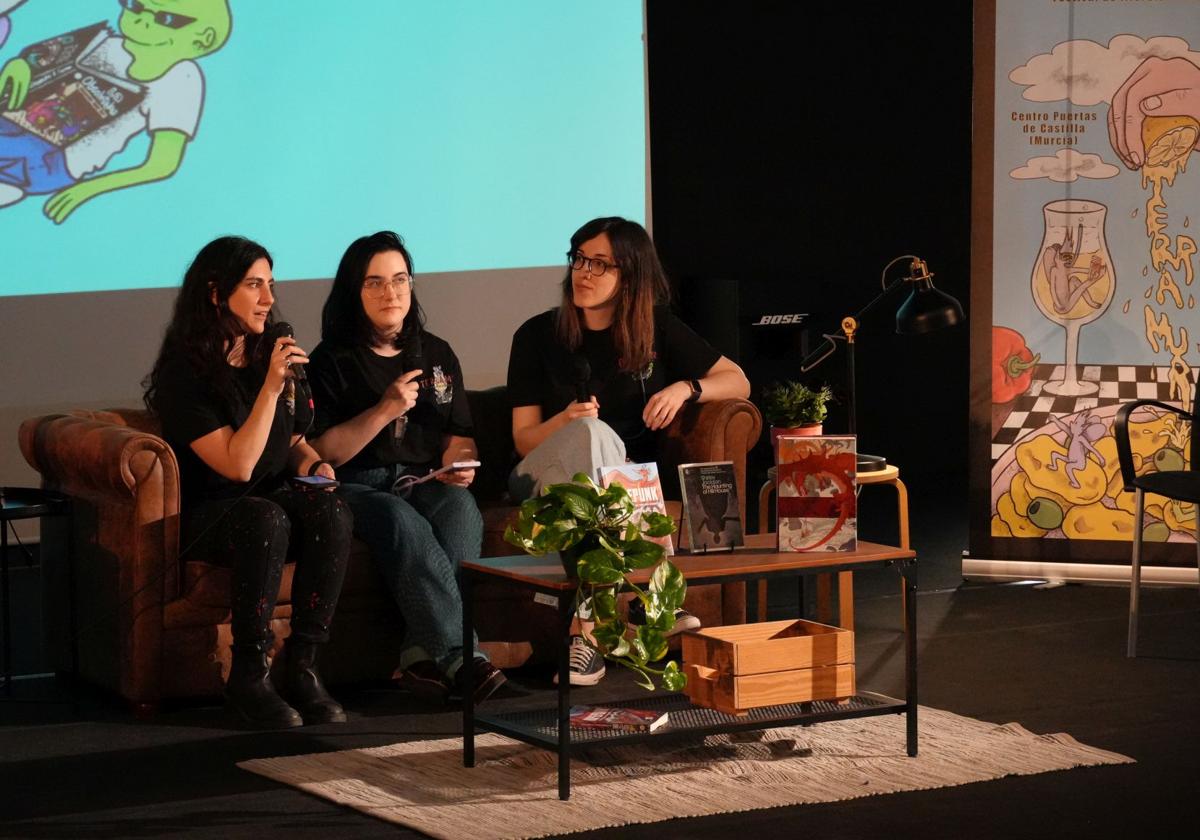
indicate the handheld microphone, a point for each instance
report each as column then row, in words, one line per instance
column 284, row 330
column 582, row 373
column 414, row 358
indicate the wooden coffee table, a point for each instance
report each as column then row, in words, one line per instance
column 550, row 728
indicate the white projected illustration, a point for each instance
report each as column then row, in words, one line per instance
column 74, row 101
column 301, row 126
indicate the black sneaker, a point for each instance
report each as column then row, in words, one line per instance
column 423, row 680
column 586, row 663
column 486, row 675
column 684, row 620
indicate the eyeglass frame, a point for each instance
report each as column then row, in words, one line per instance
column 576, row 257
column 171, row 20
column 385, row 283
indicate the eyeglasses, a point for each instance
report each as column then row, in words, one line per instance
column 169, row 19
column 595, row 266
column 378, row 287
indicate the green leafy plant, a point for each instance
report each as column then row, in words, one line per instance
column 792, row 404
column 601, row 543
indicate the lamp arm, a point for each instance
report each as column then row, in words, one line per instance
column 824, row 351
column 850, row 323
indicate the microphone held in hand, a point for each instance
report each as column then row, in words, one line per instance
column 414, row 358
column 284, row 329
column 581, row 372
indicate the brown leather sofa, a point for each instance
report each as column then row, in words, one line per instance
column 153, row 627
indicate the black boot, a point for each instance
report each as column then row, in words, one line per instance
column 303, row 686
column 250, row 694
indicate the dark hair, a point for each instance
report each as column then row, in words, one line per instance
column 202, row 332
column 643, row 284
column 343, row 319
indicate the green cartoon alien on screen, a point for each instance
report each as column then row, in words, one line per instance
column 72, row 102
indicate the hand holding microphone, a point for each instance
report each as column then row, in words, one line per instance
column 285, row 364
column 584, row 404
column 400, row 396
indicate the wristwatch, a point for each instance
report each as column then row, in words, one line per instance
column 696, row 391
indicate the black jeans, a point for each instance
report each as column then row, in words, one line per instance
column 255, row 536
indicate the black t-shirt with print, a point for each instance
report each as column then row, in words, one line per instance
column 541, row 372
column 346, row 381
column 189, row 409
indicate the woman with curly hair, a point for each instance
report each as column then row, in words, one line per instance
column 224, row 388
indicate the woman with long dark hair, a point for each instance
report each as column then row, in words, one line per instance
column 224, row 388
column 592, row 382
column 391, row 408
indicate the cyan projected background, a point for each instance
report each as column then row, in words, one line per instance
column 483, row 131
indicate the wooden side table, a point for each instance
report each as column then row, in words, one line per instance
column 550, row 727
column 888, row 475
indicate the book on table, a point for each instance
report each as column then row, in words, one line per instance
column 641, row 482
column 616, row 718
column 711, row 511
column 816, row 493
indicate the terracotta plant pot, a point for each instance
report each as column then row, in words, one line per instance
column 808, row 430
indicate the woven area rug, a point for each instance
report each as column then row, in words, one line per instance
column 512, row 791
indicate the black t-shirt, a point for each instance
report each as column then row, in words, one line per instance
column 347, row 381
column 190, row 408
column 541, row 372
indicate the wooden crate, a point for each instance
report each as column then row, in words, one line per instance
column 745, row 666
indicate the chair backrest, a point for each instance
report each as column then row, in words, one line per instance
column 1195, row 436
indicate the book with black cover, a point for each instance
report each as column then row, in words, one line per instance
column 710, row 505
column 616, row 718
column 641, row 482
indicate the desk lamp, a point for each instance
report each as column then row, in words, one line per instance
column 925, row 310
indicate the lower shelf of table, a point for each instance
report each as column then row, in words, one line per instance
column 540, row 727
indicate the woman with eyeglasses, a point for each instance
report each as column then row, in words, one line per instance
column 390, row 406
column 223, row 387
column 592, row 381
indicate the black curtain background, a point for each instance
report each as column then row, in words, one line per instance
column 795, row 150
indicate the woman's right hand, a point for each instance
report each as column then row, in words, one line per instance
column 575, row 409
column 284, row 354
column 402, row 394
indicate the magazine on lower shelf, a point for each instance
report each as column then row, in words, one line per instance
column 616, row 718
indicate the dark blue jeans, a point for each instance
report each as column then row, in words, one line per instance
column 418, row 544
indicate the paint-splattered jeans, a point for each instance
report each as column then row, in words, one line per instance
column 256, row 536
column 418, row 544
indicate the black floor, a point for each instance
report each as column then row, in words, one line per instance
column 1051, row 659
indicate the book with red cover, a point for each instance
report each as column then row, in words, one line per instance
column 616, row 718
column 816, row 494
column 641, row 481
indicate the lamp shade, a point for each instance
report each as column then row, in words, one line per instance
column 926, row 310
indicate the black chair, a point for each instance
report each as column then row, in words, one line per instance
column 1183, row 485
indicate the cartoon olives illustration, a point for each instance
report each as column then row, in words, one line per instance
column 1045, row 513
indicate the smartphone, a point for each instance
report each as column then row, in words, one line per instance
column 314, row 482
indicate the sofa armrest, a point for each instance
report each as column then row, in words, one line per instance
column 722, row 430
column 124, row 537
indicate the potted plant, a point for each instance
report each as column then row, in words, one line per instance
column 792, row 408
column 601, row 542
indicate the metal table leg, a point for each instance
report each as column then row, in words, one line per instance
column 565, row 611
column 908, row 571
column 468, row 700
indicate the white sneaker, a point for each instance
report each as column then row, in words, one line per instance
column 586, row 664
column 684, row 620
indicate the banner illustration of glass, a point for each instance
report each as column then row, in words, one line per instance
column 1073, row 280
